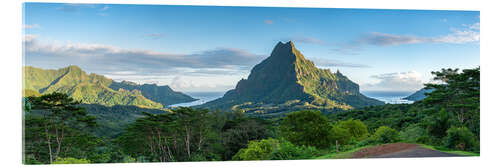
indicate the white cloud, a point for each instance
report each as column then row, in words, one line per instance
column 268, row 21
column 475, row 26
column 31, row 26
column 105, row 8
column 469, row 34
column 399, row 81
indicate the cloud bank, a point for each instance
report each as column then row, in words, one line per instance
column 471, row 33
column 143, row 66
column 398, row 81
column 321, row 62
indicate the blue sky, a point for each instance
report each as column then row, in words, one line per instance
column 207, row 48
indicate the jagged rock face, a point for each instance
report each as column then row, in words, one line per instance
column 274, row 80
column 287, row 77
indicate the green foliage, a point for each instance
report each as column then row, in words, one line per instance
column 342, row 135
column 183, row 135
column 460, row 138
column 458, row 94
column 56, row 126
column 239, row 129
column 308, row 128
column 70, row 160
column 356, row 128
column 161, row 94
column 288, row 151
column 385, row 134
column 413, row 134
column 438, row 124
column 257, row 150
column 273, row 149
column 114, row 120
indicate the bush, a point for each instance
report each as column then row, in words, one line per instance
column 70, row 160
column 308, row 128
column 356, row 128
column 257, row 150
column 287, row 151
column 385, row 134
column 460, row 138
column 341, row 135
column 414, row 134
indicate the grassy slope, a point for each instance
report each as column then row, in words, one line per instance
column 341, row 155
column 465, row 153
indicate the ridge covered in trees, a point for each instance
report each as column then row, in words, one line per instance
column 97, row 89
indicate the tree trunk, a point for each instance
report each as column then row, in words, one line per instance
column 337, row 145
column 201, row 139
column 188, row 149
column 48, row 142
column 59, row 142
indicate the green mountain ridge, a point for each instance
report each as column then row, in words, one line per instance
column 286, row 80
column 97, row 89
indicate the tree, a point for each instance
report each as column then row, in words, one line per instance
column 52, row 119
column 460, row 138
column 341, row 135
column 385, row 134
column 239, row 129
column 177, row 136
column 356, row 128
column 457, row 93
column 308, row 128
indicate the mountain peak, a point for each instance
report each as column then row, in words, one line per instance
column 73, row 67
column 287, row 46
column 286, row 53
column 286, row 77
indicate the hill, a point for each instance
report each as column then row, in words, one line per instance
column 418, row 95
column 97, row 89
column 287, row 81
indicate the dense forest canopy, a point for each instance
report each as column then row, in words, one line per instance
column 58, row 129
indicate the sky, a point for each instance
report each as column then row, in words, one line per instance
column 209, row 48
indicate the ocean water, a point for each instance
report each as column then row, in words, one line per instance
column 202, row 97
column 389, row 97
column 385, row 96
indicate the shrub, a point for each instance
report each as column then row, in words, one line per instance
column 385, row 134
column 356, row 128
column 308, row 128
column 287, row 151
column 460, row 138
column 257, row 150
column 70, row 160
column 414, row 134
